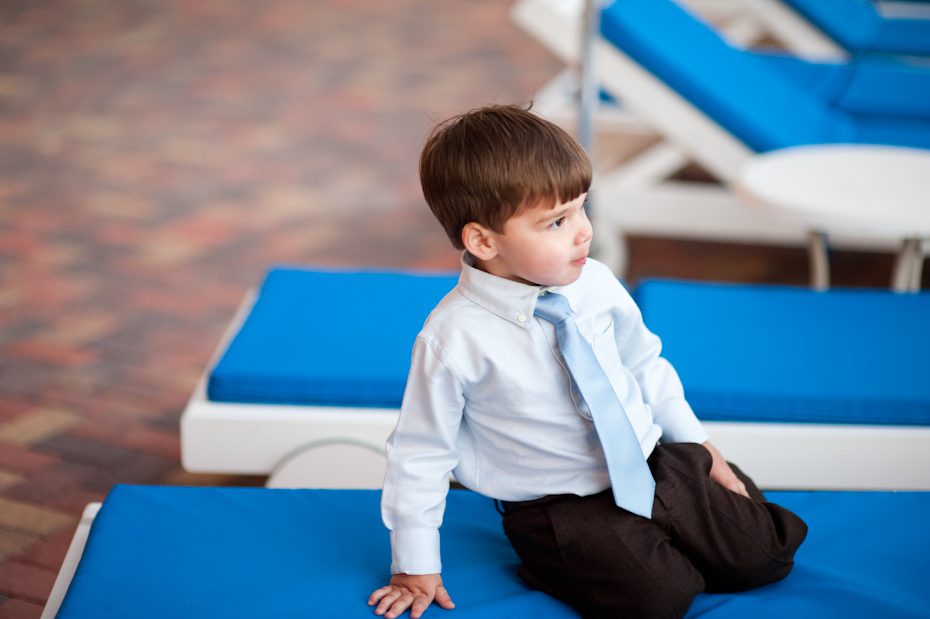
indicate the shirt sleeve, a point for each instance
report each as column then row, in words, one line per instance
column 641, row 351
column 421, row 453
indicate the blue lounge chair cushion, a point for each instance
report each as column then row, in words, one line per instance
column 867, row 87
column 156, row 552
column 777, row 353
column 733, row 87
column 860, row 28
column 912, row 132
column 765, row 103
column 903, row 36
column 328, row 338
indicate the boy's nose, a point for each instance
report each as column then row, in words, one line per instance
column 585, row 232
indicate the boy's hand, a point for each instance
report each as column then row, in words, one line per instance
column 721, row 472
column 413, row 592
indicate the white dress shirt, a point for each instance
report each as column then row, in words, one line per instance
column 489, row 399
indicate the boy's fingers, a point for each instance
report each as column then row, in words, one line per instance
column 378, row 594
column 443, row 598
column 400, row 606
column 394, row 599
column 734, row 484
column 387, row 600
column 420, row 604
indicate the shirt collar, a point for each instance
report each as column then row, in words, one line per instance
column 512, row 301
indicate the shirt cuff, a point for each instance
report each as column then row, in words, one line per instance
column 679, row 423
column 415, row 551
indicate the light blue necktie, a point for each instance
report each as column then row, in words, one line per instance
column 630, row 478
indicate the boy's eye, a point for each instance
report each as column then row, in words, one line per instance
column 555, row 225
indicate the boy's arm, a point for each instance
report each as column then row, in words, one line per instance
column 641, row 351
column 421, row 453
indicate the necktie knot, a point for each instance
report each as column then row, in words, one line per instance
column 553, row 308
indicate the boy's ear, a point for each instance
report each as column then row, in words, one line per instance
column 479, row 241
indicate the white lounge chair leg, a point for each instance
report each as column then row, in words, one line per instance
column 917, row 268
column 819, row 254
column 906, row 277
column 331, row 464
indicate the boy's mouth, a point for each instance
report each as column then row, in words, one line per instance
column 581, row 260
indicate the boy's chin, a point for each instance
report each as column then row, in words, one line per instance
column 561, row 281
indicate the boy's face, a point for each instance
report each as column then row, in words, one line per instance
column 541, row 245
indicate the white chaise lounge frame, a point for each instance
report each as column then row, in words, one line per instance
column 70, row 563
column 756, row 20
column 775, row 19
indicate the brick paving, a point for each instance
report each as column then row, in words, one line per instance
column 156, row 157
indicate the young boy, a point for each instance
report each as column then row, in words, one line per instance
column 611, row 495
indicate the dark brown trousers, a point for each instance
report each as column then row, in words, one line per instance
column 609, row 563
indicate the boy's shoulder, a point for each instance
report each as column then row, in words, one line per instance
column 452, row 313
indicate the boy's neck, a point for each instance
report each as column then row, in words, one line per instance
column 491, row 267
column 474, row 262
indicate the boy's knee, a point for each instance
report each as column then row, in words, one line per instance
column 767, row 559
column 764, row 572
column 776, row 563
column 670, row 598
column 750, row 572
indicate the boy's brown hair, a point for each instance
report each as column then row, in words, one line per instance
column 487, row 165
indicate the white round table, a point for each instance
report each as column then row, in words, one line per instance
column 849, row 189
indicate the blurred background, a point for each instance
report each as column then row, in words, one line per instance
column 157, row 157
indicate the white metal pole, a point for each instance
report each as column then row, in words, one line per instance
column 608, row 244
column 588, row 99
